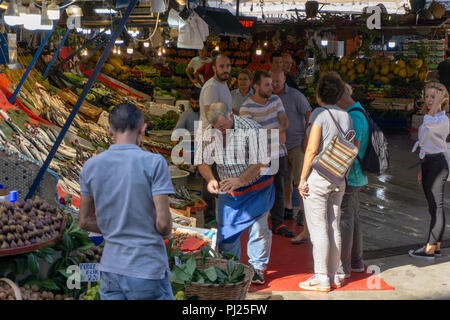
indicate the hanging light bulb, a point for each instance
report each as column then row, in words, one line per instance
column 265, row 43
column 217, row 48
column 108, row 32
column 130, row 50
column 146, row 44
column 74, row 11
column 324, row 42
column 118, row 51
column 53, row 11
column 12, row 16
column 33, row 17
column 119, row 41
column 258, row 52
column 391, row 44
column 114, row 50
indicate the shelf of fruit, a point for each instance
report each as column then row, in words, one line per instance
column 383, row 78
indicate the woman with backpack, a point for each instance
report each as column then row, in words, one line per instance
column 434, row 168
column 322, row 196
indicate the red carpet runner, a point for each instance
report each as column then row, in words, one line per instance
column 290, row 264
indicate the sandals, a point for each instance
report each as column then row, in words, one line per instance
column 283, row 231
column 299, row 241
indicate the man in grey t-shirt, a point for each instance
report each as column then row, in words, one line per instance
column 124, row 196
column 214, row 90
column 298, row 112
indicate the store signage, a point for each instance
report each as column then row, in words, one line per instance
column 374, row 21
column 89, row 272
column 247, row 23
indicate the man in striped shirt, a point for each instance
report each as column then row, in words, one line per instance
column 267, row 109
column 245, row 196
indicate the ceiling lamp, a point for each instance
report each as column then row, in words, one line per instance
column 324, row 42
column 74, row 11
column 130, row 50
column 53, row 11
column 33, row 17
column 12, row 16
column 46, row 23
column 119, row 41
column 146, row 44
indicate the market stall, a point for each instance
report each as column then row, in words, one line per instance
column 54, row 116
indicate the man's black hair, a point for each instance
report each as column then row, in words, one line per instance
column 195, row 95
column 125, row 116
column 276, row 54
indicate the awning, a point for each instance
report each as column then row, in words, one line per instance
column 222, row 22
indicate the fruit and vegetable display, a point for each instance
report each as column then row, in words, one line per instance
column 167, row 121
column 164, row 83
column 148, row 70
column 113, row 66
column 188, row 269
column 380, row 71
column 25, row 223
column 91, row 255
column 93, row 293
column 165, row 93
column 29, row 293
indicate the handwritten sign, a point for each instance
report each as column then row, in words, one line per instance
column 89, row 272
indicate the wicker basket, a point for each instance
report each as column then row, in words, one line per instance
column 208, row 291
column 15, row 288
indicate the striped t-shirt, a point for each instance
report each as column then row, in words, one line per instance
column 266, row 116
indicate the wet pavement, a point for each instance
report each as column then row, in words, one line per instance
column 394, row 212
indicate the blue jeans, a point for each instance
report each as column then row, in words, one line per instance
column 258, row 245
column 118, row 287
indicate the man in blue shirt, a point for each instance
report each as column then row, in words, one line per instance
column 124, row 196
column 351, row 234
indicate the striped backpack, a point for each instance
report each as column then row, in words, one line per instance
column 337, row 157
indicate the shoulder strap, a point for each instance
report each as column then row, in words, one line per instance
column 339, row 128
column 334, row 120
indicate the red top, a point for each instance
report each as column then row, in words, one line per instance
column 206, row 71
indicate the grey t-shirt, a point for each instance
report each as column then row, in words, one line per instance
column 322, row 118
column 213, row 91
column 123, row 181
column 296, row 106
column 187, row 120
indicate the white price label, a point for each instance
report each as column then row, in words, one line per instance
column 89, row 272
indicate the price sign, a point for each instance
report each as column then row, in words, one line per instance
column 89, row 272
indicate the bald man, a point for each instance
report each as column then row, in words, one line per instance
column 298, row 112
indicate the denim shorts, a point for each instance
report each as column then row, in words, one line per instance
column 118, row 287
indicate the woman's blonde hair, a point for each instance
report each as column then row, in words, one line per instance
column 438, row 86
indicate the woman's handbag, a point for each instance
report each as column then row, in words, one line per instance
column 337, row 157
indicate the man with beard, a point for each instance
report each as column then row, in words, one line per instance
column 188, row 118
column 267, row 109
column 214, row 90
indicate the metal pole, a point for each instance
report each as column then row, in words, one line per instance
column 55, row 55
column 81, row 98
column 30, row 66
column 84, row 46
column 237, row 8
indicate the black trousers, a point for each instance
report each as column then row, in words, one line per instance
column 277, row 211
column 434, row 175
